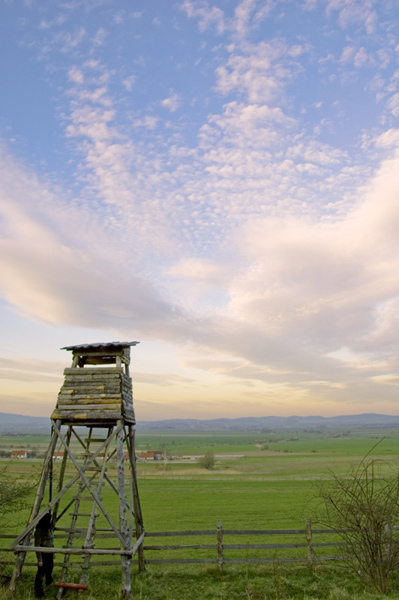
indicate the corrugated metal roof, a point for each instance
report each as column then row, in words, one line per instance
column 100, row 345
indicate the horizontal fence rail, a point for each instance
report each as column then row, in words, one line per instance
column 223, row 553
column 221, row 556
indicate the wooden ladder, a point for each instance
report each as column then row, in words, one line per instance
column 96, row 480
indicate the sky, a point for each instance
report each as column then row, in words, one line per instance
column 218, row 180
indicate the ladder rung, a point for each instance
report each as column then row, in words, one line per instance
column 96, row 439
column 82, row 515
column 72, row 586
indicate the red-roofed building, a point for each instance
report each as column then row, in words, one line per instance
column 151, row 454
column 58, row 455
column 19, row 454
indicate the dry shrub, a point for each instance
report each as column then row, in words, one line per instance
column 363, row 507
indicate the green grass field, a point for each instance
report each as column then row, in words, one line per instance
column 273, row 488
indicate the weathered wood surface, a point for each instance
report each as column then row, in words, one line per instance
column 95, row 395
column 219, row 545
column 72, row 586
column 93, row 416
column 86, row 481
column 309, row 542
column 93, row 371
column 79, row 551
column 76, row 500
column 81, row 394
column 94, row 391
column 63, row 491
column 139, row 543
column 180, row 533
column 182, row 561
column 126, row 538
column 204, row 532
column 35, row 515
column 74, row 564
column 182, row 547
column 103, row 355
column 134, row 497
column 81, row 390
column 93, row 383
column 240, row 546
column 91, row 528
column 96, row 387
column 201, row 546
column 83, row 407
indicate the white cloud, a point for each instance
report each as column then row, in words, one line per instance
column 393, row 105
column 172, row 103
column 75, row 75
column 62, row 268
column 347, row 54
column 149, row 122
column 69, row 41
column 100, row 36
column 260, row 72
column 353, row 11
column 16, row 367
column 361, row 58
column 315, row 152
column 162, row 379
column 242, row 15
column 247, row 16
column 207, row 16
column 320, row 286
column 243, row 234
column 388, row 139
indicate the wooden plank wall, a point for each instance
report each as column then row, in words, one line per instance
column 100, row 394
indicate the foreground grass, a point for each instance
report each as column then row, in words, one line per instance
column 265, row 490
column 275, row 583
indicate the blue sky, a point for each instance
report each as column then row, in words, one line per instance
column 218, row 180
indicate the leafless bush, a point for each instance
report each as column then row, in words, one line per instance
column 364, row 508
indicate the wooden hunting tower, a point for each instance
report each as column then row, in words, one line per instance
column 96, row 397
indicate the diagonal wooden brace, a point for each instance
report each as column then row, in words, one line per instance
column 66, row 487
column 87, row 483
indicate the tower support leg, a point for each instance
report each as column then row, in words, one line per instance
column 125, row 560
column 136, row 499
column 19, row 562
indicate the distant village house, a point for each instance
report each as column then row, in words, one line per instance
column 19, row 454
column 58, row 455
column 150, row 455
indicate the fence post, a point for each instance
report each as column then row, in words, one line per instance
column 219, row 545
column 388, row 534
column 310, row 555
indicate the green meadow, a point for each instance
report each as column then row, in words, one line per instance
column 271, row 487
column 262, row 480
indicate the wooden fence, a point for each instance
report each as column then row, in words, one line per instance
column 305, row 540
column 222, row 548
